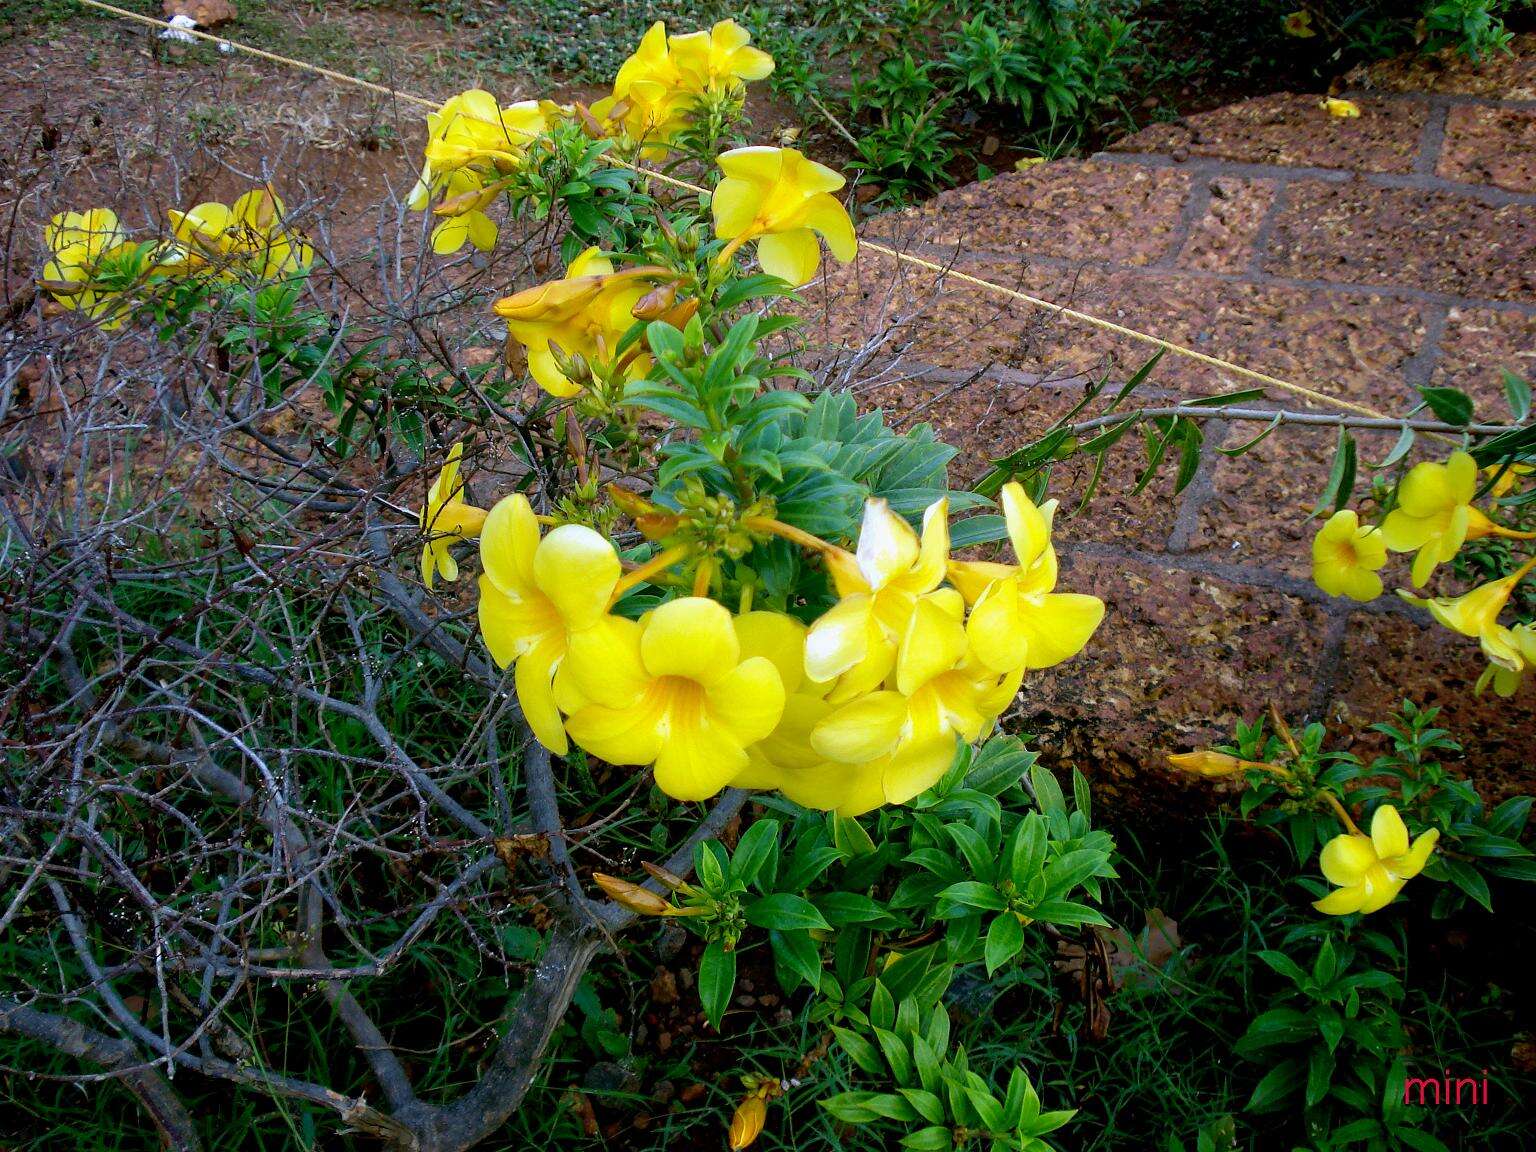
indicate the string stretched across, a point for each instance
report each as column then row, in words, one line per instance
column 942, row 272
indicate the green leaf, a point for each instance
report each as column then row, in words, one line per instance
column 1000, row 764
column 974, row 894
column 979, row 855
column 859, row 1050
column 1341, row 479
column 717, row 980
column 756, row 855
column 977, row 530
column 707, row 863
column 1066, row 913
column 785, row 912
column 1319, row 1076
column 797, row 952
column 1004, row 940
column 1277, row 1086
column 843, row 908
column 1028, row 853
column 1451, row 405
column 896, row 1054
column 850, row 837
column 1405, row 440
column 927, row 1105
column 1518, row 393
column 932, row 1139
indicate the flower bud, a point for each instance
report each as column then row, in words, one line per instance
column 1207, row 763
column 670, row 879
column 472, row 201
column 656, row 303
column 748, row 1121
column 632, row 896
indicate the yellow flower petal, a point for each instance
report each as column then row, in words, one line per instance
column 691, row 637
column 535, row 692
column 578, row 570
column 933, row 644
column 1389, row 835
column 792, row 256
column 865, row 729
column 748, row 701
column 839, row 639
column 916, row 768
column 1345, row 859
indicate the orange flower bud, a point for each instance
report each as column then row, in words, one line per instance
column 670, row 879
column 656, row 303
column 632, row 896
column 748, row 1121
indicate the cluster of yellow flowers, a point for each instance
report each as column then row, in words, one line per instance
column 864, row 707
column 473, row 146
column 773, row 196
column 659, row 90
column 1433, row 518
column 95, row 267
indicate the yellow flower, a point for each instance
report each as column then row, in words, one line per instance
column 720, row 59
column 1344, row 109
column 1434, row 514
column 675, row 692
column 585, row 314
column 783, row 201
column 1475, row 613
column 651, row 99
column 85, row 245
column 1511, row 654
column 1018, row 620
column 471, row 142
column 879, row 586
column 246, row 236
column 1508, row 477
column 1298, row 24
column 445, row 520
column 1371, row 870
column 1346, row 556
column 787, row 760
column 538, row 600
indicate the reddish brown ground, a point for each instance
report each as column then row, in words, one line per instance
column 1357, row 257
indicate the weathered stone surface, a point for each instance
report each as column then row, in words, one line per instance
column 1349, row 287
column 1478, row 344
column 1222, row 239
column 1490, row 146
column 1389, row 656
column 1259, row 509
column 1073, row 209
column 1294, row 130
column 1180, row 658
column 1433, row 240
column 1498, row 76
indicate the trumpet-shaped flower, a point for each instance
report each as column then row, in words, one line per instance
column 1017, row 619
column 879, row 586
column 720, row 59
column 651, row 98
column 1511, row 654
column 247, row 236
column 1434, row 515
column 447, row 519
column 91, row 255
column 1371, row 870
column 1346, row 556
column 585, row 314
column 1476, row 613
column 538, row 599
column 676, row 693
column 783, row 201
